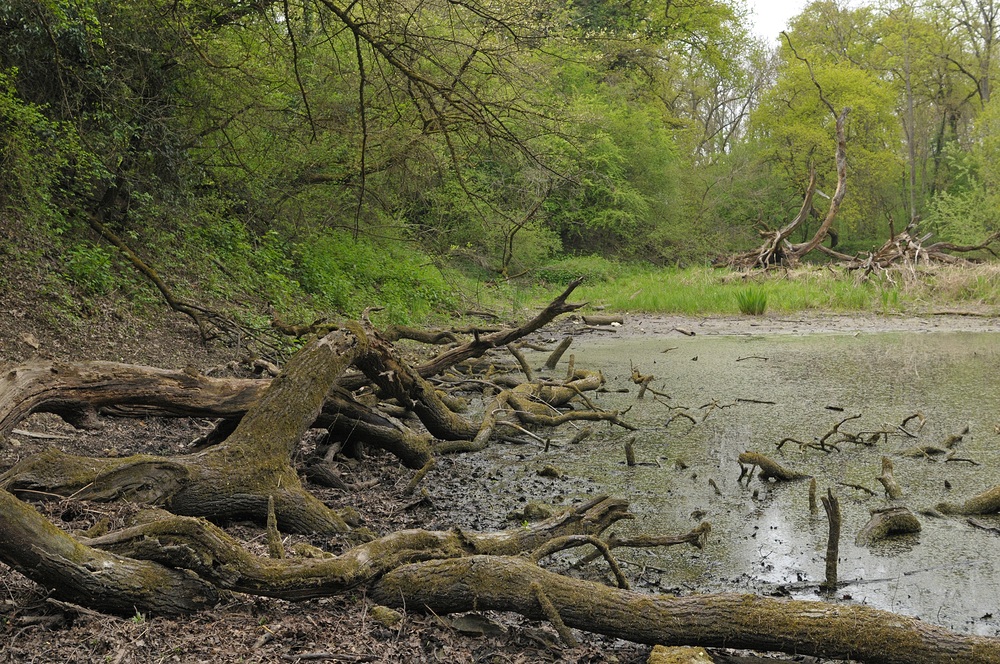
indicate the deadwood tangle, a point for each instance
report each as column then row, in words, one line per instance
column 247, row 164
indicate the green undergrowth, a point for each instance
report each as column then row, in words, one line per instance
column 330, row 274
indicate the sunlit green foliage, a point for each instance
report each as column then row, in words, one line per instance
column 311, row 157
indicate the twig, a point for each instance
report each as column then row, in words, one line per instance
column 859, row 487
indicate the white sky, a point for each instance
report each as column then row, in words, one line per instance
column 770, row 17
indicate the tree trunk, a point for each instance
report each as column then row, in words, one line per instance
column 83, row 575
column 797, row 251
column 856, row 632
column 232, row 480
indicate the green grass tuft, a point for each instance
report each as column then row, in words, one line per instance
column 752, row 300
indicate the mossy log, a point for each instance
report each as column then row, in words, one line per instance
column 83, row 575
column 207, row 551
column 604, row 319
column 854, row 632
column 77, row 392
column 232, row 480
column 885, row 522
column 769, row 468
column 987, row 502
column 435, row 337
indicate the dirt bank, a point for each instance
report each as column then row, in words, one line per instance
column 797, row 323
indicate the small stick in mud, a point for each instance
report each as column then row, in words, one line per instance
column 519, row 356
column 677, row 416
column 955, row 459
column 836, row 430
column 812, row 496
column 982, row 525
column 411, row 486
column 275, row 547
column 629, row 452
column 558, row 353
column 921, row 419
column 642, row 380
column 858, row 487
column 710, row 407
column 831, row 505
column 697, row 538
column 892, row 489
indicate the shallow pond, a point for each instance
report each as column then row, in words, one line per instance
column 764, row 538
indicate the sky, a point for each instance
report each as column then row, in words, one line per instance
column 771, row 16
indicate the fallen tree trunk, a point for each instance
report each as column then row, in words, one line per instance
column 987, row 502
column 448, row 572
column 77, row 391
column 853, row 632
column 232, row 480
column 80, row 391
column 84, row 575
column 217, row 558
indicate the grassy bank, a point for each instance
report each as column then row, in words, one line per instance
column 706, row 291
column 65, row 282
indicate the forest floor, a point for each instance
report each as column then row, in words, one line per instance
column 34, row 628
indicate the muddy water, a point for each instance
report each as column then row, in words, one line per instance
column 764, row 538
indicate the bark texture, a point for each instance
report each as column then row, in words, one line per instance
column 721, row 620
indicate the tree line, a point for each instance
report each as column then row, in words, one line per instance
column 267, row 136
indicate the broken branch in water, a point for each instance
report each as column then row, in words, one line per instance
column 697, row 538
column 892, row 489
column 768, row 468
column 831, row 504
